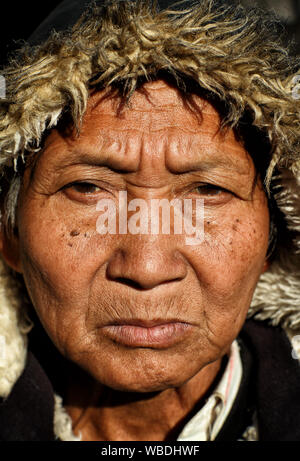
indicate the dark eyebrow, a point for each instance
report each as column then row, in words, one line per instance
column 75, row 157
column 208, row 165
column 78, row 156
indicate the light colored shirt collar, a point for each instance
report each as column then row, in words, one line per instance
column 206, row 424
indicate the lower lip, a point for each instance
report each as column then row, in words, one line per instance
column 158, row 336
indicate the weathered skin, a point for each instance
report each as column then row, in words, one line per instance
column 80, row 281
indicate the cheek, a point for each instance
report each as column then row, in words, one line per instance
column 228, row 264
column 60, row 243
column 236, row 249
column 60, row 257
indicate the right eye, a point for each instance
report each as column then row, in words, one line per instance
column 83, row 187
column 85, row 192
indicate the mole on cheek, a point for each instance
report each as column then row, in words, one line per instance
column 234, row 227
column 74, row 232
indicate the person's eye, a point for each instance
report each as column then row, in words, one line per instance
column 210, row 190
column 83, row 187
column 82, row 191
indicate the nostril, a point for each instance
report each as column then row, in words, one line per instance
column 129, row 282
column 138, row 286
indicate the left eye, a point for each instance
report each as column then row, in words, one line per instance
column 83, row 187
column 210, row 189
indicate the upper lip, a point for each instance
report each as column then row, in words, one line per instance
column 144, row 323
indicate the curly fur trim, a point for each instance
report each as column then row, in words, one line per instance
column 63, row 422
column 14, row 327
column 276, row 297
column 232, row 53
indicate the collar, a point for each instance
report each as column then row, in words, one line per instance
column 206, row 424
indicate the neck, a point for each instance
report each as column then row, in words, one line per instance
column 102, row 413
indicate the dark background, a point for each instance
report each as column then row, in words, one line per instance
column 288, row 11
column 18, row 19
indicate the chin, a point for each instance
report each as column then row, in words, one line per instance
column 142, row 387
column 132, row 379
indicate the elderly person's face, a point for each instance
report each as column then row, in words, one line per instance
column 141, row 312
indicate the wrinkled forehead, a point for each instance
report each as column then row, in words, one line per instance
column 154, row 107
column 158, row 122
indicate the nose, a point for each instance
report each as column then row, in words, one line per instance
column 145, row 265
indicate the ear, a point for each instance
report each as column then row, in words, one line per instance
column 265, row 266
column 9, row 249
